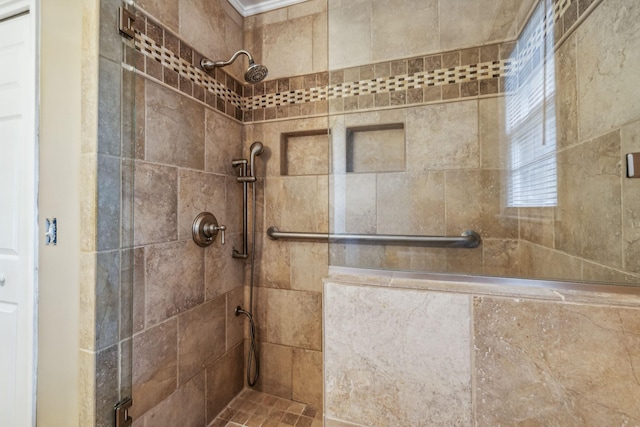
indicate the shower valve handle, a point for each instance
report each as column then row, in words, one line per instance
column 205, row 229
column 212, row 230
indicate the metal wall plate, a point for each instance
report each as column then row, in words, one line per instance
column 633, row 165
column 125, row 23
column 205, row 229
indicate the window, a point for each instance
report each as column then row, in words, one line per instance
column 530, row 114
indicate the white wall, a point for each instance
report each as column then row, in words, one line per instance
column 60, row 115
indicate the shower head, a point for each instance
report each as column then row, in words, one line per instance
column 254, row 74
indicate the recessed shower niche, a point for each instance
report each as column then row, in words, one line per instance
column 305, row 152
column 376, row 148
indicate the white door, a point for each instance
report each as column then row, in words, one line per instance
column 17, row 214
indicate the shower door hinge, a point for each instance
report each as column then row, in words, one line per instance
column 125, row 23
column 122, row 413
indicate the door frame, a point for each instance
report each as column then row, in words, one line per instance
column 30, row 8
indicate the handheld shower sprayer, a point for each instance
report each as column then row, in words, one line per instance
column 256, row 149
column 255, row 72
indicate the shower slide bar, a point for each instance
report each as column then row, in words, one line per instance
column 468, row 239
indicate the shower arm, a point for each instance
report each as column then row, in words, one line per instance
column 208, row 64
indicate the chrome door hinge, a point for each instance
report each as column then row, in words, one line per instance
column 122, row 413
column 125, row 23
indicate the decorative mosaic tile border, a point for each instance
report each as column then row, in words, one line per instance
column 464, row 73
column 161, row 55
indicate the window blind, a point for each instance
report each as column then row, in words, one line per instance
column 531, row 116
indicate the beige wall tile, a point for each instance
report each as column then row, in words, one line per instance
column 269, row 134
column 223, row 272
column 275, row 264
column 492, row 133
column 443, row 136
column 464, row 261
column 349, row 34
column 174, row 128
column 542, row 263
column 107, row 299
column 224, row 381
column 589, row 201
column 353, row 201
column 309, row 7
column 500, row 257
column 87, row 302
column 88, row 206
column 297, row 203
column 156, row 203
column 207, row 27
column 154, row 366
column 165, row 11
column 566, row 94
column 86, row 387
column 174, row 279
column 307, row 377
column 233, row 203
column 405, row 28
column 320, row 41
column 309, row 265
column 330, row 422
column 607, row 75
column 234, row 324
column 537, row 225
column 222, row 143
column 276, row 364
column 185, row 407
column 107, row 384
column 433, row 260
column 550, row 363
column 138, row 291
column 465, row 24
column 288, row 47
column 294, row 318
column 630, row 143
column 482, row 190
column 592, row 272
column 367, row 333
column 411, row 203
column 259, row 312
column 200, row 192
column 201, row 338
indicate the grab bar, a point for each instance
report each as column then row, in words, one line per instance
column 468, row 239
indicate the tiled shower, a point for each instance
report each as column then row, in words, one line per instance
column 378, row 117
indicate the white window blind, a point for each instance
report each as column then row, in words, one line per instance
column 530, row 114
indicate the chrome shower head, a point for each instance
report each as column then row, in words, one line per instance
column 254, row 74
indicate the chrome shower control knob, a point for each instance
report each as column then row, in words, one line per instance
column 205, row 229
column 211, row 230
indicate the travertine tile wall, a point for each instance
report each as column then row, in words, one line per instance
column 455, row 173
column 174, row 162
column 288, row 293
column 292, row 41
column 104, row 219
column 591, row 233
column 401, row 350
column 452, row 182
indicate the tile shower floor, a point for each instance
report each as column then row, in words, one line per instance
column 255, row 409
